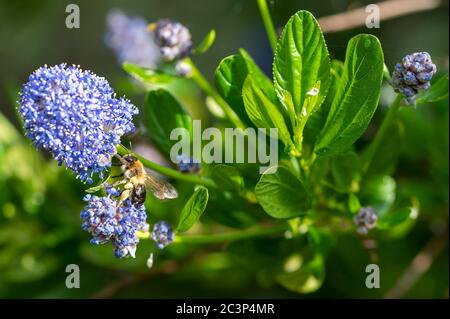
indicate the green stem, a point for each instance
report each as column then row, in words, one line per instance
column 382, row 131
column 230, row 236
column 201, row 81
column 121, row 150
column 268, row 23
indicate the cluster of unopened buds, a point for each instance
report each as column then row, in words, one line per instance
column 413, row 74
column 365, row 219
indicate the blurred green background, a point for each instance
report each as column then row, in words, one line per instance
column 40, row 229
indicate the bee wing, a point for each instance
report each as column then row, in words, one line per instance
column 159, row 188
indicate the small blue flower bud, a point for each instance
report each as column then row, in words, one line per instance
column 408, row 91
column 162, row 234
column 409, row 78
column 187, row 164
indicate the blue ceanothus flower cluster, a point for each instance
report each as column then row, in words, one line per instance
column 414, row 73
column 75, row 115
column 131, row 40
column 105, row 221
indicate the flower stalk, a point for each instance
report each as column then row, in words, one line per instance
column 268, row 23
column 231, row 236
column 382, row 131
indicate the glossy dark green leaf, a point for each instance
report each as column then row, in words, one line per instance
column 318, row 118
column 206, row 43
column 281, row 194
column 228, row 177
column 163, row 113
column 437, row 92
column 230, row 77
column 357, row 96
column 261, row 80
column 148, row 76
column 301, row 61
column 193, row 209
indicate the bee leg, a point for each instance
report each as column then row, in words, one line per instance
column 125, row 194
column 116, row 176
column 116, row 164
column 118, row 183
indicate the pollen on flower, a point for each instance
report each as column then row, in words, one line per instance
column 75, row 115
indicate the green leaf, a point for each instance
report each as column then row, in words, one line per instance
column 357, row 96
column 281, row 194
column 263, row 113
column 301, row 61
column 318, row 118
column 437, row 92
column 261, row 80
column 228, row 177
column 163, row 113
column 230, row 77
column 396, row 218
column 193, row 209
column 148, row 76
column 206, row 43
column 346, row 169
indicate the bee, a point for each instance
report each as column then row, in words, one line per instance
column 137, row 180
